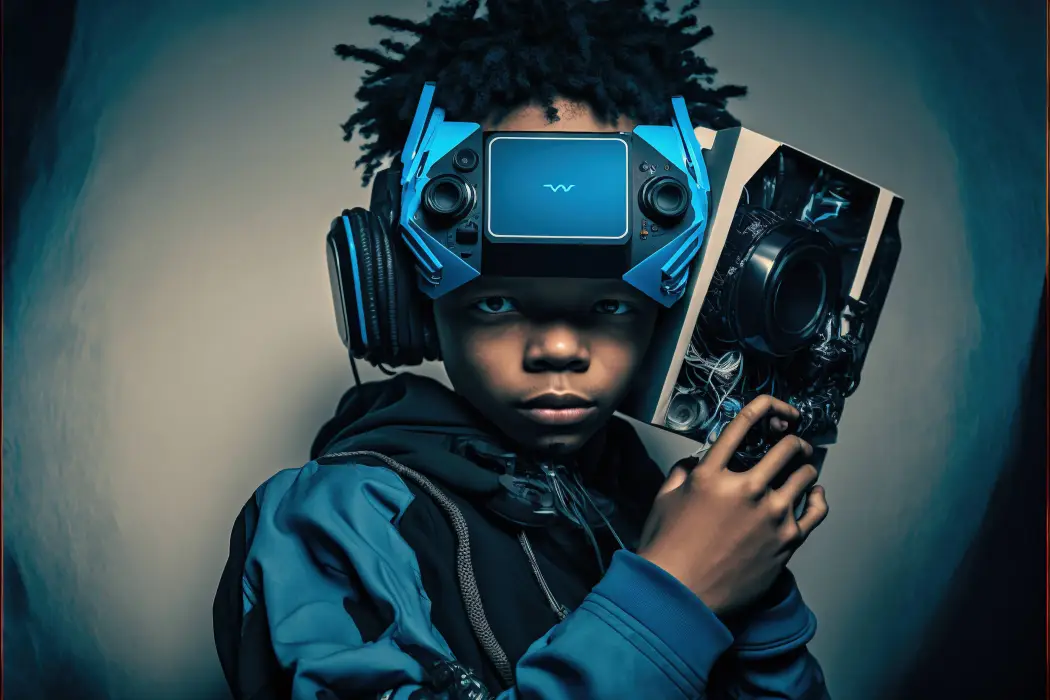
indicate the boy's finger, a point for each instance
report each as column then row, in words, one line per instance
column 815, row 512
column 779, row 456
column 755, row 412
column 799, row 482
column 677, row 476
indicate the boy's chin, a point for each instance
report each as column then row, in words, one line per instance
column 560, row 445
column 550, row 440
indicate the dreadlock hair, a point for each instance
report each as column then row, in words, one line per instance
column 619, row 57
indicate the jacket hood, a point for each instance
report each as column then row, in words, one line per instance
column 406, row 401
column 431, row 429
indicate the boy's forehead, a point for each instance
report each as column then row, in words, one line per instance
column 572, row 116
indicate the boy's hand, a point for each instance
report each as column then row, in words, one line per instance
column 727, row 535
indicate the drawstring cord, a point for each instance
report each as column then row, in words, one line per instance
column 567, row 496
column 468, row 585
column 598, row 510
column 574, row 500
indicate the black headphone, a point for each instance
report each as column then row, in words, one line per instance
column 383, row 317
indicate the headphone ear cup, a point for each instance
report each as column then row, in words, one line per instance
column 361, row 224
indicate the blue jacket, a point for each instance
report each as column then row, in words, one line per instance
column 348, row 579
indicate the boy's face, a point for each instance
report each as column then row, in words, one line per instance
column 547, row 360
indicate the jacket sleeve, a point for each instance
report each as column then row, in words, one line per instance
column 769, row 659
column 325, row 542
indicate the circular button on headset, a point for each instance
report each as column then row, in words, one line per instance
column 465, row 160
column 447, row 198
column 664, row 199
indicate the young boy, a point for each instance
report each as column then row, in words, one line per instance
column 513, row 538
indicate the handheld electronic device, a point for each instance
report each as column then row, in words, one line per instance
column 794, row 272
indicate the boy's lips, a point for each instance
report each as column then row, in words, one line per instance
column 556, row 400
column 558, row 409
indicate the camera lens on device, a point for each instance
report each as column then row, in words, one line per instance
column 664, row 199
column 447, row 198
column 786, row 289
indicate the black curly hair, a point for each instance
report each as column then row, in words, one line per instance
column 620, row 57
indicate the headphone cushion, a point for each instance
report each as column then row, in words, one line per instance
column 386, row 287
column 413, row 307
column 412, row 301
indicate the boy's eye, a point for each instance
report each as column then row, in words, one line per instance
column 495, row 305
column 612, row 306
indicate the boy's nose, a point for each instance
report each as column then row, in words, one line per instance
column 556, row 348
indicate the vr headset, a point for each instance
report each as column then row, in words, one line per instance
column 465, row 203
column 772, row 265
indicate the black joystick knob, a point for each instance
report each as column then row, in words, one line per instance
column 447, row 198
column 664, row 199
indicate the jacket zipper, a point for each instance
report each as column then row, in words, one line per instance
column 560, row 610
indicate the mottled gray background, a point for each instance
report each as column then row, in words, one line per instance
column 169, row 340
